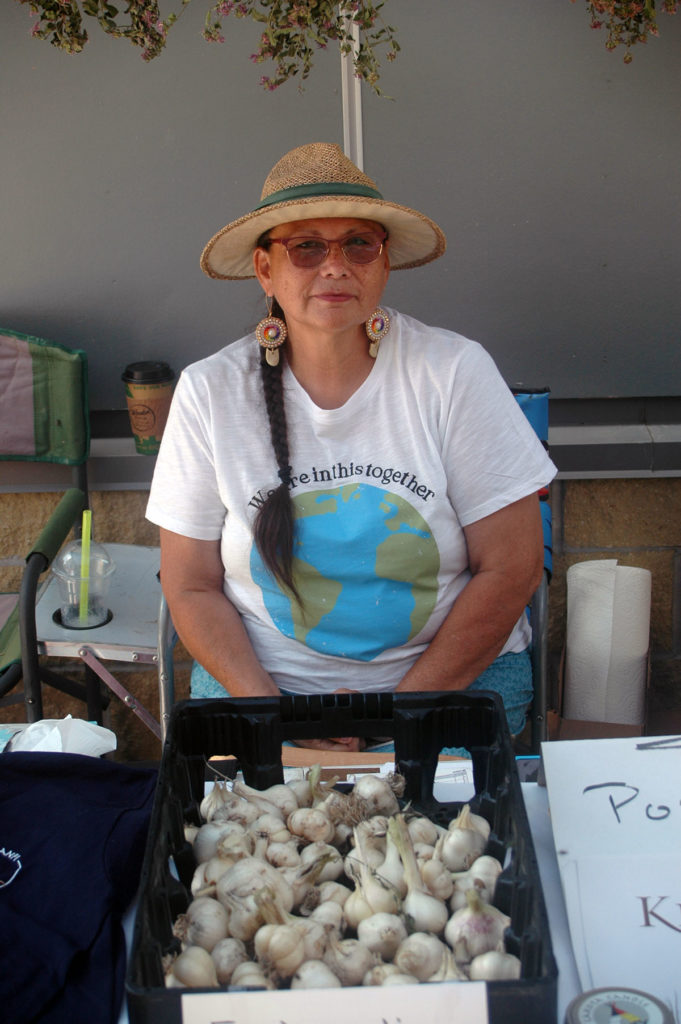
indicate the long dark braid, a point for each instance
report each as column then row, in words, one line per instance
column 274, row 523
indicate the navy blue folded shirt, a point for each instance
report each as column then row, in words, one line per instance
column 72, row 836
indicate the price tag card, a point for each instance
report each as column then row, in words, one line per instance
column 615, row 797
column 398, row 1004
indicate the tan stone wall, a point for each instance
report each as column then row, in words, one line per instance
column 636, row 521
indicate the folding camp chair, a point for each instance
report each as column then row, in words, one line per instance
column 18, row 636
column 535, row 405
column 44, row 417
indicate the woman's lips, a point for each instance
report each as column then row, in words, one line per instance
column 334, row 297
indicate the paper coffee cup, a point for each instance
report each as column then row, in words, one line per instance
column 148, row 390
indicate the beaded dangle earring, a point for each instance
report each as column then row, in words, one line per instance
column 377, row 326
column 271, row 333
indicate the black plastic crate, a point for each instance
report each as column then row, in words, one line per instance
column 252, row 730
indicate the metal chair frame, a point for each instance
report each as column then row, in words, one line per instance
column 52, row 443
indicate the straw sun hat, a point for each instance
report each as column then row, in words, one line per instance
column 318, row 180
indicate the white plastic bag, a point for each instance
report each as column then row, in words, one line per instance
column 65, row 735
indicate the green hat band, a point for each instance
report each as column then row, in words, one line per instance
column 324, row 188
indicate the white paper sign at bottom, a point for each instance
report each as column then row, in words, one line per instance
column 395, row 1004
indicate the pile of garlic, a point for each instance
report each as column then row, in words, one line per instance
column 304, row 886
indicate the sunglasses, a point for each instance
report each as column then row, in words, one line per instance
column 307, row 252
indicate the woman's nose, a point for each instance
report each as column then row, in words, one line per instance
column 335, row 261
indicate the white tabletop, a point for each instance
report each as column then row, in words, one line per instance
column 134, row 598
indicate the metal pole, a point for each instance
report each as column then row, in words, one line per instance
column 351, row 91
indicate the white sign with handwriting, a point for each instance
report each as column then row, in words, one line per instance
column 398, row 1004
column 616, row 817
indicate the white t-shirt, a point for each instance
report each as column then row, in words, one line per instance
column 432, row 441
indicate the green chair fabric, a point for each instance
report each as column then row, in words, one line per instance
column 43, row 401
column 10, row 641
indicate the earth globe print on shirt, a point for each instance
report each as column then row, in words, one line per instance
column 366, row 566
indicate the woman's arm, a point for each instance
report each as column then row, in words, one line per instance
column 208, row 623
column 505, row 553
column 210, row 626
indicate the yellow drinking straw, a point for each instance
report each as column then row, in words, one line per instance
column 85, row 565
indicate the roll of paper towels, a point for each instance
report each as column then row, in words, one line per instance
column 608, row 633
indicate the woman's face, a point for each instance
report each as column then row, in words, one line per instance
column 336, row 295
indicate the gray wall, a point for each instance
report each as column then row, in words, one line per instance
column 552, row 167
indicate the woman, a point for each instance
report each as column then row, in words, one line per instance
column 351, row 503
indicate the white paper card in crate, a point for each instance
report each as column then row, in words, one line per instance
column 616, row 819
column 398, row 1004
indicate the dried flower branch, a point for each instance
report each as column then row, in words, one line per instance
column 627, row 21
column 293, row 30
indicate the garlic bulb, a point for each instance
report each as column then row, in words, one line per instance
column 302, row 791
column 203, row 924
column 283, row 855
column 333, row 891
column 400, row 979
column 437, row 878
column 421, row 955
column 423, row 830
column 477, row 928
column 337, row 806
column 271, row 826
column 220, row 804
column 190, row 832
column 311, row 824
column 493, row 966
column 370, row 836
column 349, row 960
column 230, row 849
column 331, row 915
column 468, row 819
column 333, row 862
column 279, row 949
column 448, row 970
column 250, row 875
column 315, row 936
column 356, row 908
column 427, row 912
column 227, row 954
column 250, row 975
column 198, row 884
column 206, row 840
column 216, row 797
column 303, row 878
column 481, row 875
column 372, row 893
column 314, row 974
column 376, row 794
column 244, row 916
column 280, row 796
column 382, row 934
column 193, row 968
column 243, row 812
column 390, row 869
column 461, row 844
column 378, row 974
